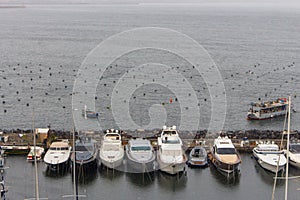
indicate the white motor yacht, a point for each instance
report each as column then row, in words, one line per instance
column 170, row 155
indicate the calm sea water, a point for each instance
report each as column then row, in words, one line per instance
column 42, row 47
column 207, row 183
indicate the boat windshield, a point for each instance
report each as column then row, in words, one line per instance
column 80, row 148
column 226, row 151
column 295, row 148
column 198, row 153
column 141, row 148
column 110, row 147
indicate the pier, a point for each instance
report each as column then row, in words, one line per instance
column 19, row 141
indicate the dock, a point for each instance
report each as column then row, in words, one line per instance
column 19, row 141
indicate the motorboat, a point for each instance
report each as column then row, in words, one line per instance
column 294, row 154
column 35, row 151
column 86, row 152
column 197, row 157
column 268, row 109
column 170, row 156
column 57, row 156
column 140, row 156
column 270, row 157
column 89, row 113
column 111, row 150
column 224, row 156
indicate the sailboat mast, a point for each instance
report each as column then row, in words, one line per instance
column 37, row 195
column 287, row 150
column 74, row 169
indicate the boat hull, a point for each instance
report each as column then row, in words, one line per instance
column 60, row 168
column 112, row 164
column 294, row 159
column 253, row 116
column 171, row 168
column 267, row 166
column 134, row 166
column 226, row 168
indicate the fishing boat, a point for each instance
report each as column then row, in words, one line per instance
column 197, row 157
column 86, row 152
column 294, row 154
column 269, row 156
column 35, row 150
column 57, row 156
column 170, row 156
column 140, row 156
column 89, row 113
column 268, row 109
column 111, row 150
column 224, row 156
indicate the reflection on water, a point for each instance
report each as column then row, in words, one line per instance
column 141, row 179
column 86, row 175
column 225, row 179
column 267, row 176
column 108, row 173
column 172, row 182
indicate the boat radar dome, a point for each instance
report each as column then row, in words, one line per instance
column 174, row 127
column 117, row 131
column 164, row 127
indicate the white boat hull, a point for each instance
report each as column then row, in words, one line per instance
column 171, row 168
column 112, row 164
column 272, row 167
column 294, row 159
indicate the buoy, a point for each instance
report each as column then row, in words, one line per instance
column 171, row 100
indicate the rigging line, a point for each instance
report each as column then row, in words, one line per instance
column 281, row 146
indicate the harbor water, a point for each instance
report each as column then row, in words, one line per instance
column 199, row 183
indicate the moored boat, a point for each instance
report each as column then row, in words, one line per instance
column 57, row 156
column 269, row 156
column 86, row 152
column 111, row 150
column 170, row 155
column 38, row 151
column 268, row 109
column 197, row 157
column 294, row 154
column 140, row 156
column 224, row 156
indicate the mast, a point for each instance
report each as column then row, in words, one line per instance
column 37, row 195
column 74, row 168
column 287, row 151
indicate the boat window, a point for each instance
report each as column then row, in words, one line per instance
column 141, row 148
column 64, row 148
column 295, row 148
column 169, row 133
column 226, row 151
column 53, row 148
